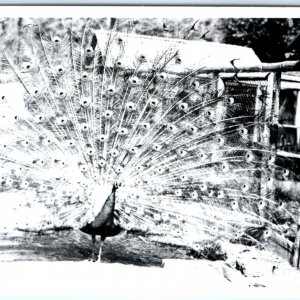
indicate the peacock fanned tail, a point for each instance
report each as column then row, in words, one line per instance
column 82, row 108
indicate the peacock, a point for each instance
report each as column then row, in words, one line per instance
column 104, row 130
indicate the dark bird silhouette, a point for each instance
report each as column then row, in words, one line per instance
column 193, row 28
column 104, row 223
column 203, row 37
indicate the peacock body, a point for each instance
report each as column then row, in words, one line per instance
column 85, row 108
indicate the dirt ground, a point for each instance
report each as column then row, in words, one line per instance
column 135, row 267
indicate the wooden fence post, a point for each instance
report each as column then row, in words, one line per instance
column 265, row 135
column 258, row 117
column 276, row 107
column 296, row 250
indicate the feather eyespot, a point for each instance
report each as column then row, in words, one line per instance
column 108, row 114
column 209, row 114
column 211, row 193
column 182, row 152
column 160, row 170
column 60, row 69
column 24, row 184
column 195, row 84
column 171, row 128
column 119, row 63
column 161, row 76
column 230, row 100
column 178, row 61
column 225, row 167
column 27, row 66
column 153, row 102
column 157, row 217
column 57, row 40
column 25, row 143
column 133, row 150
column 249, row 156
column 85, row 102
column 85, row 127
column 245, row 187
column 156, row 147
column 114, row 152
column 194, row 195
column 243, row 131
column 221, row 194
column 261, row 204
column 89, row 51
column 36, row 93
column 61, row 94
column 119, row 169
column 46, row 141
column 140, row 168
column 90, row 152
column 142, row 58
column 192, row 129
column 234, row 204
column 280, row 205
column 220, row 141
column 84, row 76
column 286, row 172
column 267, row 233
column 40, row 118
column 271, row 159
column 123, row 131
column 130, row 106
column 102, row 163
column 62, row 121
column 178, row 192
column 145, row 126
column 203, row 156
column 134, row 81
column 71, row 143
column 183, row 177
column 183, row 107
column 111, row 89
column 83, row 168
column 103, row 138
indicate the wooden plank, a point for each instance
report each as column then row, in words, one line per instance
column 280, row 245
column 246, row 76
column 290, row 126
column 258, row 108
column 275, row 110
column 288, row 154
column 268, row 110
column 296, row 248
column 287, row 85
column 297, row 120
column 195, row 56
column 266, row 134
column 290, row 78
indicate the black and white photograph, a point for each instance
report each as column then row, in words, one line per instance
column 150, row 156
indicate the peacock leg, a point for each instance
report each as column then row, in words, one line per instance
column 94, row 241
column 100, row 250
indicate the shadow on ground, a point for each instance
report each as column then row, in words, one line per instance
column 77, row 246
